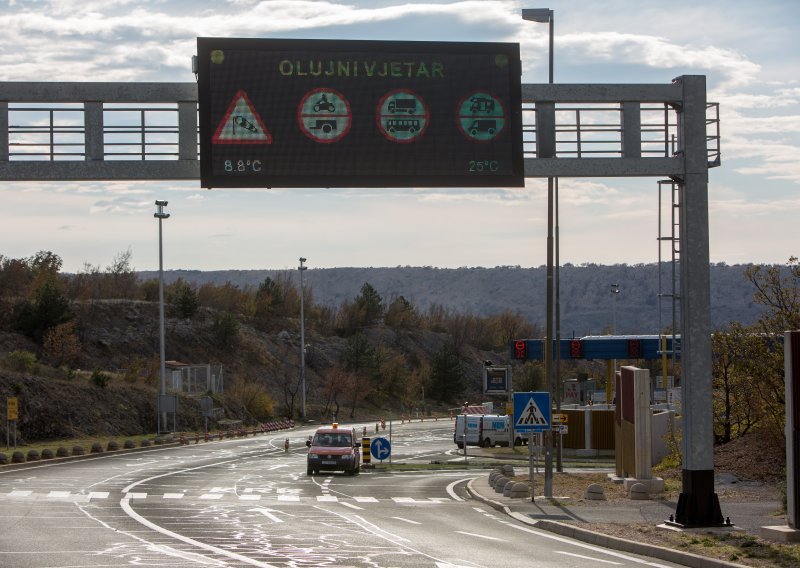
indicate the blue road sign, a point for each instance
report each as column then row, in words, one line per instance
column 380, row 448
column 531, row 411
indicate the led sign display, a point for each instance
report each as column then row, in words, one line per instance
column 324, row 113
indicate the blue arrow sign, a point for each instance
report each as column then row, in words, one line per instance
column 531, row 411
column 380, row 448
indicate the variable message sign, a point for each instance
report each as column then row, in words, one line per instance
column 324, row 113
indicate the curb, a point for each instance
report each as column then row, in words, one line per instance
column 607, row 541
column 4, row 468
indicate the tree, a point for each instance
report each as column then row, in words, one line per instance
column 369, row 304
column 120, row 277
column 184, row 298
column 779, row 291
column 358, row 354
column 253, row 397
column 50, row 308
column 61, row 344
column 736, row 406
column 226, row 329
column 401, row 314
column 447, row 375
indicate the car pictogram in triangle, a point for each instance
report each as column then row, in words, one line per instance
column 241, row 124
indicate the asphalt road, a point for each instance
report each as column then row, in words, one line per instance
column 246, row 502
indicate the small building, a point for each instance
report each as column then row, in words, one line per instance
column 193, row 378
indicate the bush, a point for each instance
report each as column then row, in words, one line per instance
column 22, row 361
column 100, row 379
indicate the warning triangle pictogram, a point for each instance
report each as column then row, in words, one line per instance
column 531, row 415
column 241, row 124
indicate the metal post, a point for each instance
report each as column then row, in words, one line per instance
column 545, row 15
column 302, row 269
column 161, row 215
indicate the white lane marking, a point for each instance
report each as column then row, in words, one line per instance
column 140, row 464
column 404, row 500
column 20, row 493
column 482, row 536
column 174, row 495
column 250, row 497
column 365, row 499
column 593, row 548
column 135, row 496
column 327, row 498
column 346, row 504
column 98, row 495
column 409, row 521
column 211, row 496
column 590, row 558
column 451, row 488
column 288, row 497
column 58, row 494
column 126, row 506
column 268, row 513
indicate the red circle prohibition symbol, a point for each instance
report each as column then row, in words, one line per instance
column 478, row 119
column 402, row 118
column 324, row 116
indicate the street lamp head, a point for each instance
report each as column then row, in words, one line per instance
column 303, row 259
column 160, row 203
column 542, row 15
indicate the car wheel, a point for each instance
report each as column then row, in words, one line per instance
column 309, row 471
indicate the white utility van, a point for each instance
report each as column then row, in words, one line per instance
column 494, row 431
column 473, row 433
column 481, row 430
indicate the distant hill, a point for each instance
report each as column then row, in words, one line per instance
column 587, row 304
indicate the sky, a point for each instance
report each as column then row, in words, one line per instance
column 748, row 51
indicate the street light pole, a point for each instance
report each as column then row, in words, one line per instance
column 545, row 15
column 161, row 215
column 302, row 269
column 615, row 290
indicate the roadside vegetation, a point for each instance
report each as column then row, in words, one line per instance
column 367, row 356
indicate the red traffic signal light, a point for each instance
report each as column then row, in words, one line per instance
column 634, row 348
column 520, row 349
column 575, row 348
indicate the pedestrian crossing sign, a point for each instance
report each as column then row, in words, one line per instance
column 531, row 411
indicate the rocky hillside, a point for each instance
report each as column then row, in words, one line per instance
column 121, row 339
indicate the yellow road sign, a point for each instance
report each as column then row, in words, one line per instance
column 13, row 408
column 560, row 419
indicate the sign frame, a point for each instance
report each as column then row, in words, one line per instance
column 542, row 400
column 441, row 157
column 375, row 450
column 496, row 379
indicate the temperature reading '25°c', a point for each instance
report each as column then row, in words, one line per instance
column 242, row 166
column 478, row 166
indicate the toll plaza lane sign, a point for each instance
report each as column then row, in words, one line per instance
column 325, row 113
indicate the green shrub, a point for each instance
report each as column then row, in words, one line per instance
column 100, row 379
column 22, row 361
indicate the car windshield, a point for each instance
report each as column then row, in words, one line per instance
column 332, row 440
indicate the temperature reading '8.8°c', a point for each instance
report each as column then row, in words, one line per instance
column 242, row 166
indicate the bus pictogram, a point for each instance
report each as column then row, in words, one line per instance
column 402, row 116
column 481, row 116
column 324, row 115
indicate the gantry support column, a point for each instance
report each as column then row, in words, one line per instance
column 698, row 504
